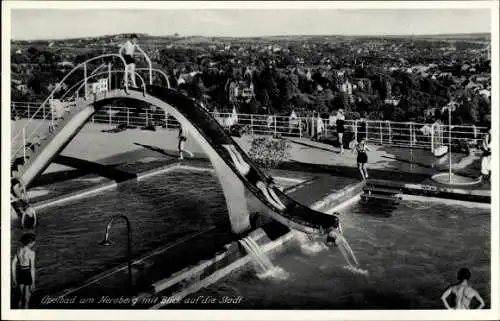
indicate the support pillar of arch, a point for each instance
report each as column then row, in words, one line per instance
column 232, row 187
column 234, row 193
column 57, row 143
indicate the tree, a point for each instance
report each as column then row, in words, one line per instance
column 263, row 97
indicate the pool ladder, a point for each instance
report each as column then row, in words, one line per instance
column 371, row 192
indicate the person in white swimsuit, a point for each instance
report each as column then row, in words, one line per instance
column 127, row 50
column 463, row 292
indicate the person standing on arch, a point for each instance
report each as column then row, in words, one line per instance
column 127, row 51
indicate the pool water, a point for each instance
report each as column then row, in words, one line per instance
column 412, row 253
column 161, row 210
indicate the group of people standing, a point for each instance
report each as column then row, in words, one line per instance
column 23, row 262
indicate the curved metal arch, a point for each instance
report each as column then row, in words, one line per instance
column 59, row 85
column 34, row 131
column 232, row 180
column 82, row 82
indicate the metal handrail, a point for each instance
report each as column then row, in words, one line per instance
column 148, row 60
column 58, row 86
column 143, row 82
column 34, row 131
column 383, row 133
column 159, row 71
column 83, row 80
column 28, row 137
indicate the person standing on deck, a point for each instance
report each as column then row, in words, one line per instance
column 362, row 158
column 486, row 159
column 23, row 270
column 182, row 141
column 463, row 292
column 127, row 50
column 340, row 129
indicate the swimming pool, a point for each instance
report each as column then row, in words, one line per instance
column 412, row 253
column 162, row 209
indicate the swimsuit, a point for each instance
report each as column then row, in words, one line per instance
column 24, row 276
column 129, row 59
column 29, row 222
column 340, row 126
column 129, row 53
column 362, row 156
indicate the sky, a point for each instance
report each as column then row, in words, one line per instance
column 30, row 24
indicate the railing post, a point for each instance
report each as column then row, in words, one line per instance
column 109, row 76
column 300, row 127
column 43, row 110
column 29, row 111
column 275, row 121
column 109, row 115
column 381, row 134
column 313, row 123
column 411, row 134
column 366, row 130
column 24, row 144
column 390, row 131
column 356, row 130
column 128, row 117
column 85, row 79
column 52, row 111
column 325, row 127
column 432, row 137
column 146, row 116
column 251, row 122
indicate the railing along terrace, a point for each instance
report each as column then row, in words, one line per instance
column 387, row 133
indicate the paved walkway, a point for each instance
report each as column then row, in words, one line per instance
column 125, row 150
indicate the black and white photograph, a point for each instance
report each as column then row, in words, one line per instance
column 250, row 160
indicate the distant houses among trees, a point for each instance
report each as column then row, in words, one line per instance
column 396, row 79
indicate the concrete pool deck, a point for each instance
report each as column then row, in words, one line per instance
column 137, row 150
column 314, row 162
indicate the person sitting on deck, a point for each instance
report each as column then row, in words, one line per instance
column 463, row 292
column 23, row 270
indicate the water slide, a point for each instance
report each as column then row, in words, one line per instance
column 282, row 208
column 234, row 168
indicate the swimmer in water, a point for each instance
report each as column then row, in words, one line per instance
column 463, row 292
column 23, row 270
column 336, row 238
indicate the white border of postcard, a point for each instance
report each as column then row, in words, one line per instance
column 9, row 314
